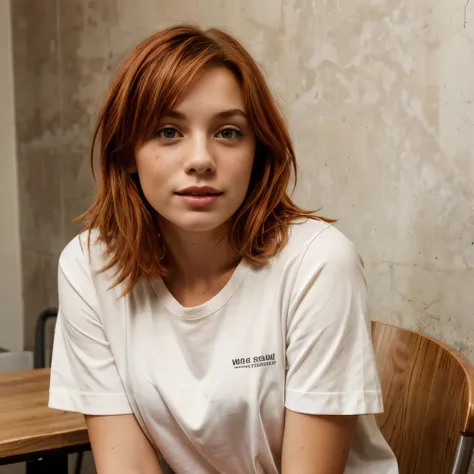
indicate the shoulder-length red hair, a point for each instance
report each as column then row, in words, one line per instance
column 151, row 81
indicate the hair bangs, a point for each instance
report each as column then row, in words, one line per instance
column 161, row 84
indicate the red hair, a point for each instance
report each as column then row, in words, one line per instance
column 151, row 81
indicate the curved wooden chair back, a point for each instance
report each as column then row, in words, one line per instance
column 429, row 401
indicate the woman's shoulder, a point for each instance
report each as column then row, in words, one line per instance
column 83, row 263
column 318, row 239
column 83, row 252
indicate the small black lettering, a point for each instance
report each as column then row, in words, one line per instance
column 255, row 361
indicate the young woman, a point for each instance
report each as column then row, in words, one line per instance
column 207, row 324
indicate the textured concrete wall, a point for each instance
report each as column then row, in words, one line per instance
column 11, row 309
column 379, row 95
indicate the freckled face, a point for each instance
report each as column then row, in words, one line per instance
column 195, row 171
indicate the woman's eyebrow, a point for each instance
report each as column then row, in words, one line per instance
column 230, row 113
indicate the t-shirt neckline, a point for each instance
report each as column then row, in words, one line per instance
column 173, row 306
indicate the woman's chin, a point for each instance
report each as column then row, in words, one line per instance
column 198, row 223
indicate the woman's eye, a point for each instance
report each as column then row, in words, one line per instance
column 168, row 133
column 229, row 133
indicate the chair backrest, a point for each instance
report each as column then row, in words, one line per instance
column 40, row 350
column 428, row 396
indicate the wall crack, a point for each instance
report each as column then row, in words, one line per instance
column 465, row 13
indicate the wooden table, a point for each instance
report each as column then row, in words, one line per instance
column 30, row 431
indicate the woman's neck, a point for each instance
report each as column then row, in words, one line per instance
column 198, row 259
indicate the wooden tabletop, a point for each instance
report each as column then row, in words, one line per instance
column 27, row 425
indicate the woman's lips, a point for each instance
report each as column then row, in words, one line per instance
column 199, row 200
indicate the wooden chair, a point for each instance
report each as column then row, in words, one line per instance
column 428, row 392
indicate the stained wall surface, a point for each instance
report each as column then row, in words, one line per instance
column 379, row 96
column 11, row 308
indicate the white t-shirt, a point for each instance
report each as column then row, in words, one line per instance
column 209, row 384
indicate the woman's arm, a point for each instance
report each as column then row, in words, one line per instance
column 331, row 370
column 119, row 446
column 84, row 375
column 316, row 444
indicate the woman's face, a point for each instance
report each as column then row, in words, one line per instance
column 195, row 171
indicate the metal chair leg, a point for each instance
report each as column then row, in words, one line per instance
column 462, row 459
column 78, row 467
column 57, row 464
column 48, row 465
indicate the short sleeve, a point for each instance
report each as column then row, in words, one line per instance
column 331, row 367
column 84, row 376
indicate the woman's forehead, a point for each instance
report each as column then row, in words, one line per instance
column 215, row 90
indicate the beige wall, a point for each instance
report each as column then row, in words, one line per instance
column 11, row 310
column 379, row 96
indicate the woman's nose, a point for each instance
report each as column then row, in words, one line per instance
column 201, row 159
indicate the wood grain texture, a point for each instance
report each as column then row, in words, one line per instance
column 27, row 425
column 428, row 396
